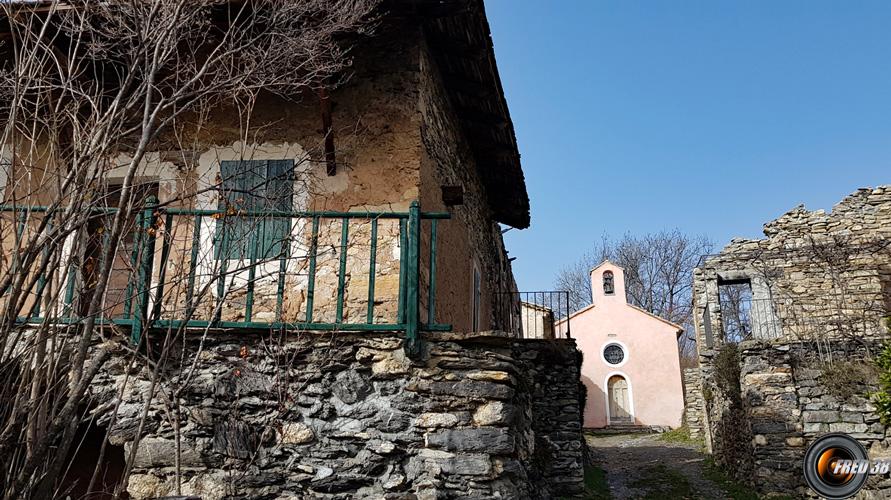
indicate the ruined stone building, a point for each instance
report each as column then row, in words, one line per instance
column 336, row 311
column 777, row 319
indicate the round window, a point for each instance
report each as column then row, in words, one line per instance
column 613, row 354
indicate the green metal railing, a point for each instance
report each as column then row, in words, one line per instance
column 148, row 280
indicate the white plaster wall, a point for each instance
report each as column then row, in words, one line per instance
column 207, row 198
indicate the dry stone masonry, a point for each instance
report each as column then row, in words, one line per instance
column 820, row 294
column 816, row 275
column 693, row 403
column 793, row 393
column 344, row 416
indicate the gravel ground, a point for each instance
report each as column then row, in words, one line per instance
column 642, row 466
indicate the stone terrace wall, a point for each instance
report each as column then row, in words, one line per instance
column 693, row 403
column 344, row 416
column 789, row 400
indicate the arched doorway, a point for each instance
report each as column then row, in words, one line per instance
column 619, row 400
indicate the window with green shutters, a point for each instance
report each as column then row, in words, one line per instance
column 254, row 186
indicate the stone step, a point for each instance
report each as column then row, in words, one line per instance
column 625, row 429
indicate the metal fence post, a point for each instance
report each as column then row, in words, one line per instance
column 412, row 282
column 144, row 273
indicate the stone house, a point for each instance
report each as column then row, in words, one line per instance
column 775, row 319
column 631, row 366
column 406, row 129
column 316, row 274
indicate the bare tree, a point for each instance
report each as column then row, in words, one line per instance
column 82, row 85
column 658, row 275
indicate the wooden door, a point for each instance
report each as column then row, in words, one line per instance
column 619, row 400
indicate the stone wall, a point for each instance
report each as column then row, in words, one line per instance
column 815, row 275
column 471, row 239
column 343, row 416
column 793, row 393
column 693, row 402
column 819, row 283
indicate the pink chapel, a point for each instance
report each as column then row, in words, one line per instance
column 631, row 365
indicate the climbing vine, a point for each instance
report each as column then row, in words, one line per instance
column 848, row 379
column 726, row 374
column 730, row 423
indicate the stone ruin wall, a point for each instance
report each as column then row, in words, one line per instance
column 791, row 395
column 344, row 416
column 693, row 402
column 827, row 277
column 825, row 274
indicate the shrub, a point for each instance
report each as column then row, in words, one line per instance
column 726, row 371
column 845, row 379
column 882, row 397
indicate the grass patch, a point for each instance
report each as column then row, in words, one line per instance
column 734, row 490
column 680, row 435
column 596, row 486
column 664, row 483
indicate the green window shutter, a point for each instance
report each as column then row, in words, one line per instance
column 235, row 234
column 254, row 186
column 279, row 198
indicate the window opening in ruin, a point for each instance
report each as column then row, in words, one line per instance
column 736, row 305
column 609, row 287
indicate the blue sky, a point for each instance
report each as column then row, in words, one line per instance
column 713, row 117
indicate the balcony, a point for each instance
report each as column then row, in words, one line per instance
column 179, row 268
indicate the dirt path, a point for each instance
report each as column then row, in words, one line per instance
column 643, row 466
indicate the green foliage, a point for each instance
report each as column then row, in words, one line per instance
column 596, row 485
column 734, row 490
column 681, row 435
column 726, row 371
column 730, row 434
column 882, row 397
column 707, row 395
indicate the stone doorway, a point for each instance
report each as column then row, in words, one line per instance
column 86, row 456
